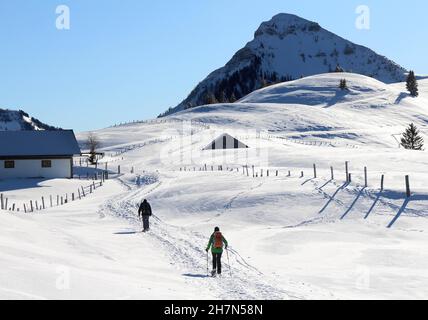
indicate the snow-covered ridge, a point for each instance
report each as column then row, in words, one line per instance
column 288, row 47
column 315, row 109
column 11, row 120
column 321, row 89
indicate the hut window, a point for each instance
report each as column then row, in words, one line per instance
column 46, row 164
column 10, row 164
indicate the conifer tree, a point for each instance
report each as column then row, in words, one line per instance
column 210, row 98
column 412, row 139
column 412, row 84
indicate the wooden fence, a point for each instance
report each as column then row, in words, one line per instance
column 50, row 201
column 254, row 172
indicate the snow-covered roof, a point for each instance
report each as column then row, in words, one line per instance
column 38, row 143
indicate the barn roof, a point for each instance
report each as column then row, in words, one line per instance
column 231, row 143
column 38, row 143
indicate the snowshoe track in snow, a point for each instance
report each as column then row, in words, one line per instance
column 185, row 248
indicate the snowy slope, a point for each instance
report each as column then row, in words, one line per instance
column 291, row 237
column 314, row 109
column 19, row 120
column 288, row 47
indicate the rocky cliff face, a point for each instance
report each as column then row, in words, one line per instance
column 285, row 48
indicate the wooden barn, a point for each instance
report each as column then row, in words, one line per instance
column 225, row 141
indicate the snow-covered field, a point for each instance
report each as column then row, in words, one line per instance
column 291, row 237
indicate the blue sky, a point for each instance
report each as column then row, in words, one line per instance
column 132, row 59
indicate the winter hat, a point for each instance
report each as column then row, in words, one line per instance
column 216, row 229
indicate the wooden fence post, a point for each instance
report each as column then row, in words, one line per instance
column 350, row 177
column 31, row 206
column 43, row 203
column 347, row 171
column 382, row 180
column 25, row 208
column 408, row 192
column 365, row 177
column 315, row 171
column 302, row 174
column 1, row 200
column 332, row 172
column 50, row 199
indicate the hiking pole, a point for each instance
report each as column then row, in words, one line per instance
column 208, row 269
column 228, row 262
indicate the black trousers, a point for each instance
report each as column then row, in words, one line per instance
column 146, row 225
column 217, row 262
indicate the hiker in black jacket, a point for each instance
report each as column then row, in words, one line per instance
column 144, row 213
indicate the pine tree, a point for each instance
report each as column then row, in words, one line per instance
column 210, row 98
column 263, row 83
column 222, row 98
column 411, row 139
column 343, row 84
column 412, row 84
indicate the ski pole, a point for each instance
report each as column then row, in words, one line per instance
column 228, row 262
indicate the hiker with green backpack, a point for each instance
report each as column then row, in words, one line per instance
column 216, row 244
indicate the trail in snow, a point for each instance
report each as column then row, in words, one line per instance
column 186, row 251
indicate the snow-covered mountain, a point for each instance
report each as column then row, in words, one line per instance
column 288, row 47
column 19, row 120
